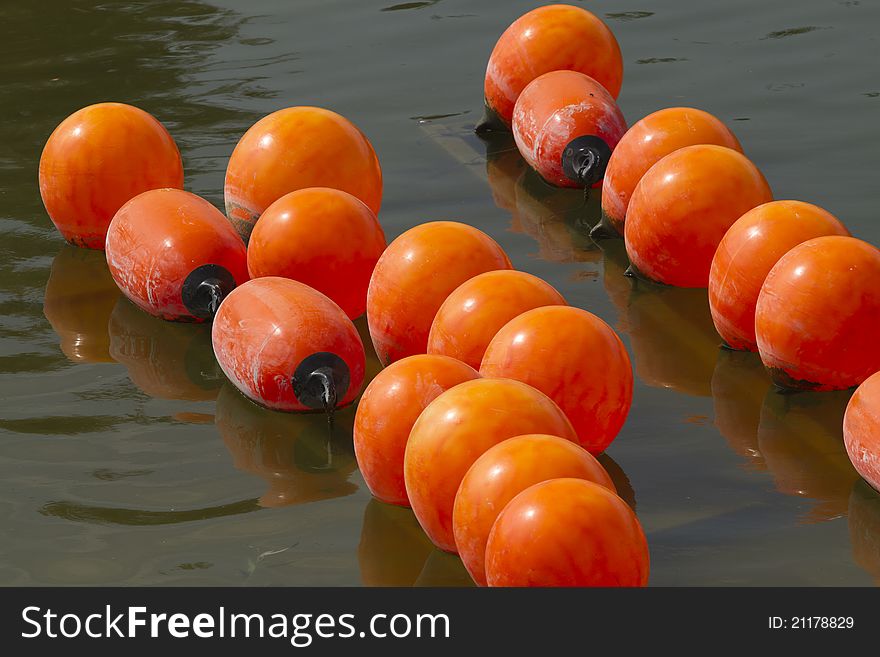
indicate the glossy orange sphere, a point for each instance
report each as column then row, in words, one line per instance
column 550, row 38
column 567, row 532
column 861, row 430
column 746, row 255
column 415, row 275
column 649, row 140
column 389, row 407
column 287, row 346
column 503, row 472
column 683, row 206
column 574, row 358
column 323, row 237
column 163, row 245
column 818, row 315
column 454, row 431
column 477, row 309
column 555, row 115
column 295, row 148
column 99, row 158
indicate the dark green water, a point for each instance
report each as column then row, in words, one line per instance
column 125, row 458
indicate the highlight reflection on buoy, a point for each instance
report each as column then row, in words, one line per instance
column 393, row 548
column 864, row 528
column 288, row 347
column 175, row 255
column 566, row 126
column 98, row 159
column 79, row 297
column 861, row 430
column 683, row 206
column 296, row 148
column 550, row 38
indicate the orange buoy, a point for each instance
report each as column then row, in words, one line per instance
column 175, row 255
column 567, row 532
column 478, row 308
column 861, row 430
column 682, row 207
column 96, row 160
column 746, row 255
column 551, row 38
column 574, row 358
column 288, row 347
column 323, row 237
column 818, row 315
column 415, row 275
column 649, row 140
column 389, row 407
column 455, row 429
column 566, row 125
column 503, row 472
column 295, row 148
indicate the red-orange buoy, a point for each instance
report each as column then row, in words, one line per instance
column 818, row 315
column 389, row 407
column 861, row 430
column 288, row 347
column 682, row 207
column 574, row 358
column 567, row 532
column 551, row 38
column 747, row 254
column 452, row 433
column 650, row 139
column 295, row 148
column 323, row 237
column 99, row 158
column 415, row 275
column 503, row 472
column 478, row 308
column 566, row 125
column 175, row 255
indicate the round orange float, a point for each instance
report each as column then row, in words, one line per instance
column 551, row 38
column 389, row 407
column 288, row 347
column 567, row 532
column 503, row 472
column 452, row 433
column 415, row 275
column 682, row 207
column 574, row 358
column 650, row 139
column 99, row 158
column 295, row 148
column 861, row 430
column 175, row 255
column 818, row 315
column 323, row 237
column 478, row 308
column 566, row 126
column 746, row 255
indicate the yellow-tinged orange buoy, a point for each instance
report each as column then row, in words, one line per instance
column 295, row 148
column 323, row 237
column 566, row 126
column 415, row 275
column 550, row 38
column 455, row 429
column 175, row 255
column 99, row 158
column 390, row 406
column 683, row 206
column 574, row 358
column 644, row 144
column 288, row 347
column 861, row 430
column 746, row 255
column 818, row 315
column 478, row 308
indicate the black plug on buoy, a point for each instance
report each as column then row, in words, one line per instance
column 585, row 159
column 321, row 380
column 205, row 288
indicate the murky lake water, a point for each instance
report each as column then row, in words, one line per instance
column 126, row 459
